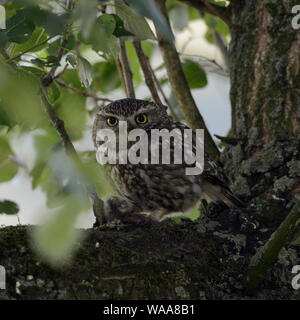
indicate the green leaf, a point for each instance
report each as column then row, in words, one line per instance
column 70, row 76
column 34, row 71
column 193, row 13
column 5, row 120
column 217, row 24
column 101, row 37
column 149, row 9
column 19, row 28
column 209, row 36
column 106, row 76
column 54, row 24
column 85, row 72
column 195, row 74
column 8, row 169
column 39, row 35
column 134, row 64
column 19, row 97
column 133, row 22
column 8, row 207
column 44, row 144
column 72, row 59
column 222, row 28
column 71, row 108
column 120, row 30
column 50, row 61
column 55, row 240
column 85, row 14
column 36, row 173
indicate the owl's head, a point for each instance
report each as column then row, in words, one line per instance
column 137, row 113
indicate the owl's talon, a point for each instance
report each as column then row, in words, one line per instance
column 116, row 207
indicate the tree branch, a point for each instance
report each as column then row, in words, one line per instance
column 181, row 88
column 29, row 49
column 151, row 79
column 223, row 13
column 82, row 93
column 126, row 72
column 167, row 102
column 144, row 62
column 264, row 257
column 58, row 124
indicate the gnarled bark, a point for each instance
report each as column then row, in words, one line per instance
column 265, row 71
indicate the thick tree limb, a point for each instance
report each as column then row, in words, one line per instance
column 181, row 88
column 204, row 259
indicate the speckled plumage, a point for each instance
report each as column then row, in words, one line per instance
column 158, row 190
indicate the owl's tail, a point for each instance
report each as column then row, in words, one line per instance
column 216, row 192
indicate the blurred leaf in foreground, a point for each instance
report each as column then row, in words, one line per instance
column 55, row 241
column 133, row 22
column 19, row 97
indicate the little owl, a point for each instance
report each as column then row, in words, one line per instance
column 155, row 190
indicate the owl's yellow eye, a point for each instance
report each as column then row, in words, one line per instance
column 112, row 121
column 141, row 118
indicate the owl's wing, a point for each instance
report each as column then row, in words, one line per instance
column 215, row 182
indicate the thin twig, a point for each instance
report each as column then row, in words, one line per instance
column 58, row 124
column 7, row 57
column 126, row 71
column 263, row 259
column 29, row 49
column 80, row 92
column 223, row 47
column 61, row 73
column 167, row 102
column 119, row 66
column 144, row 62
column 228, row 140
column 181, row 87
